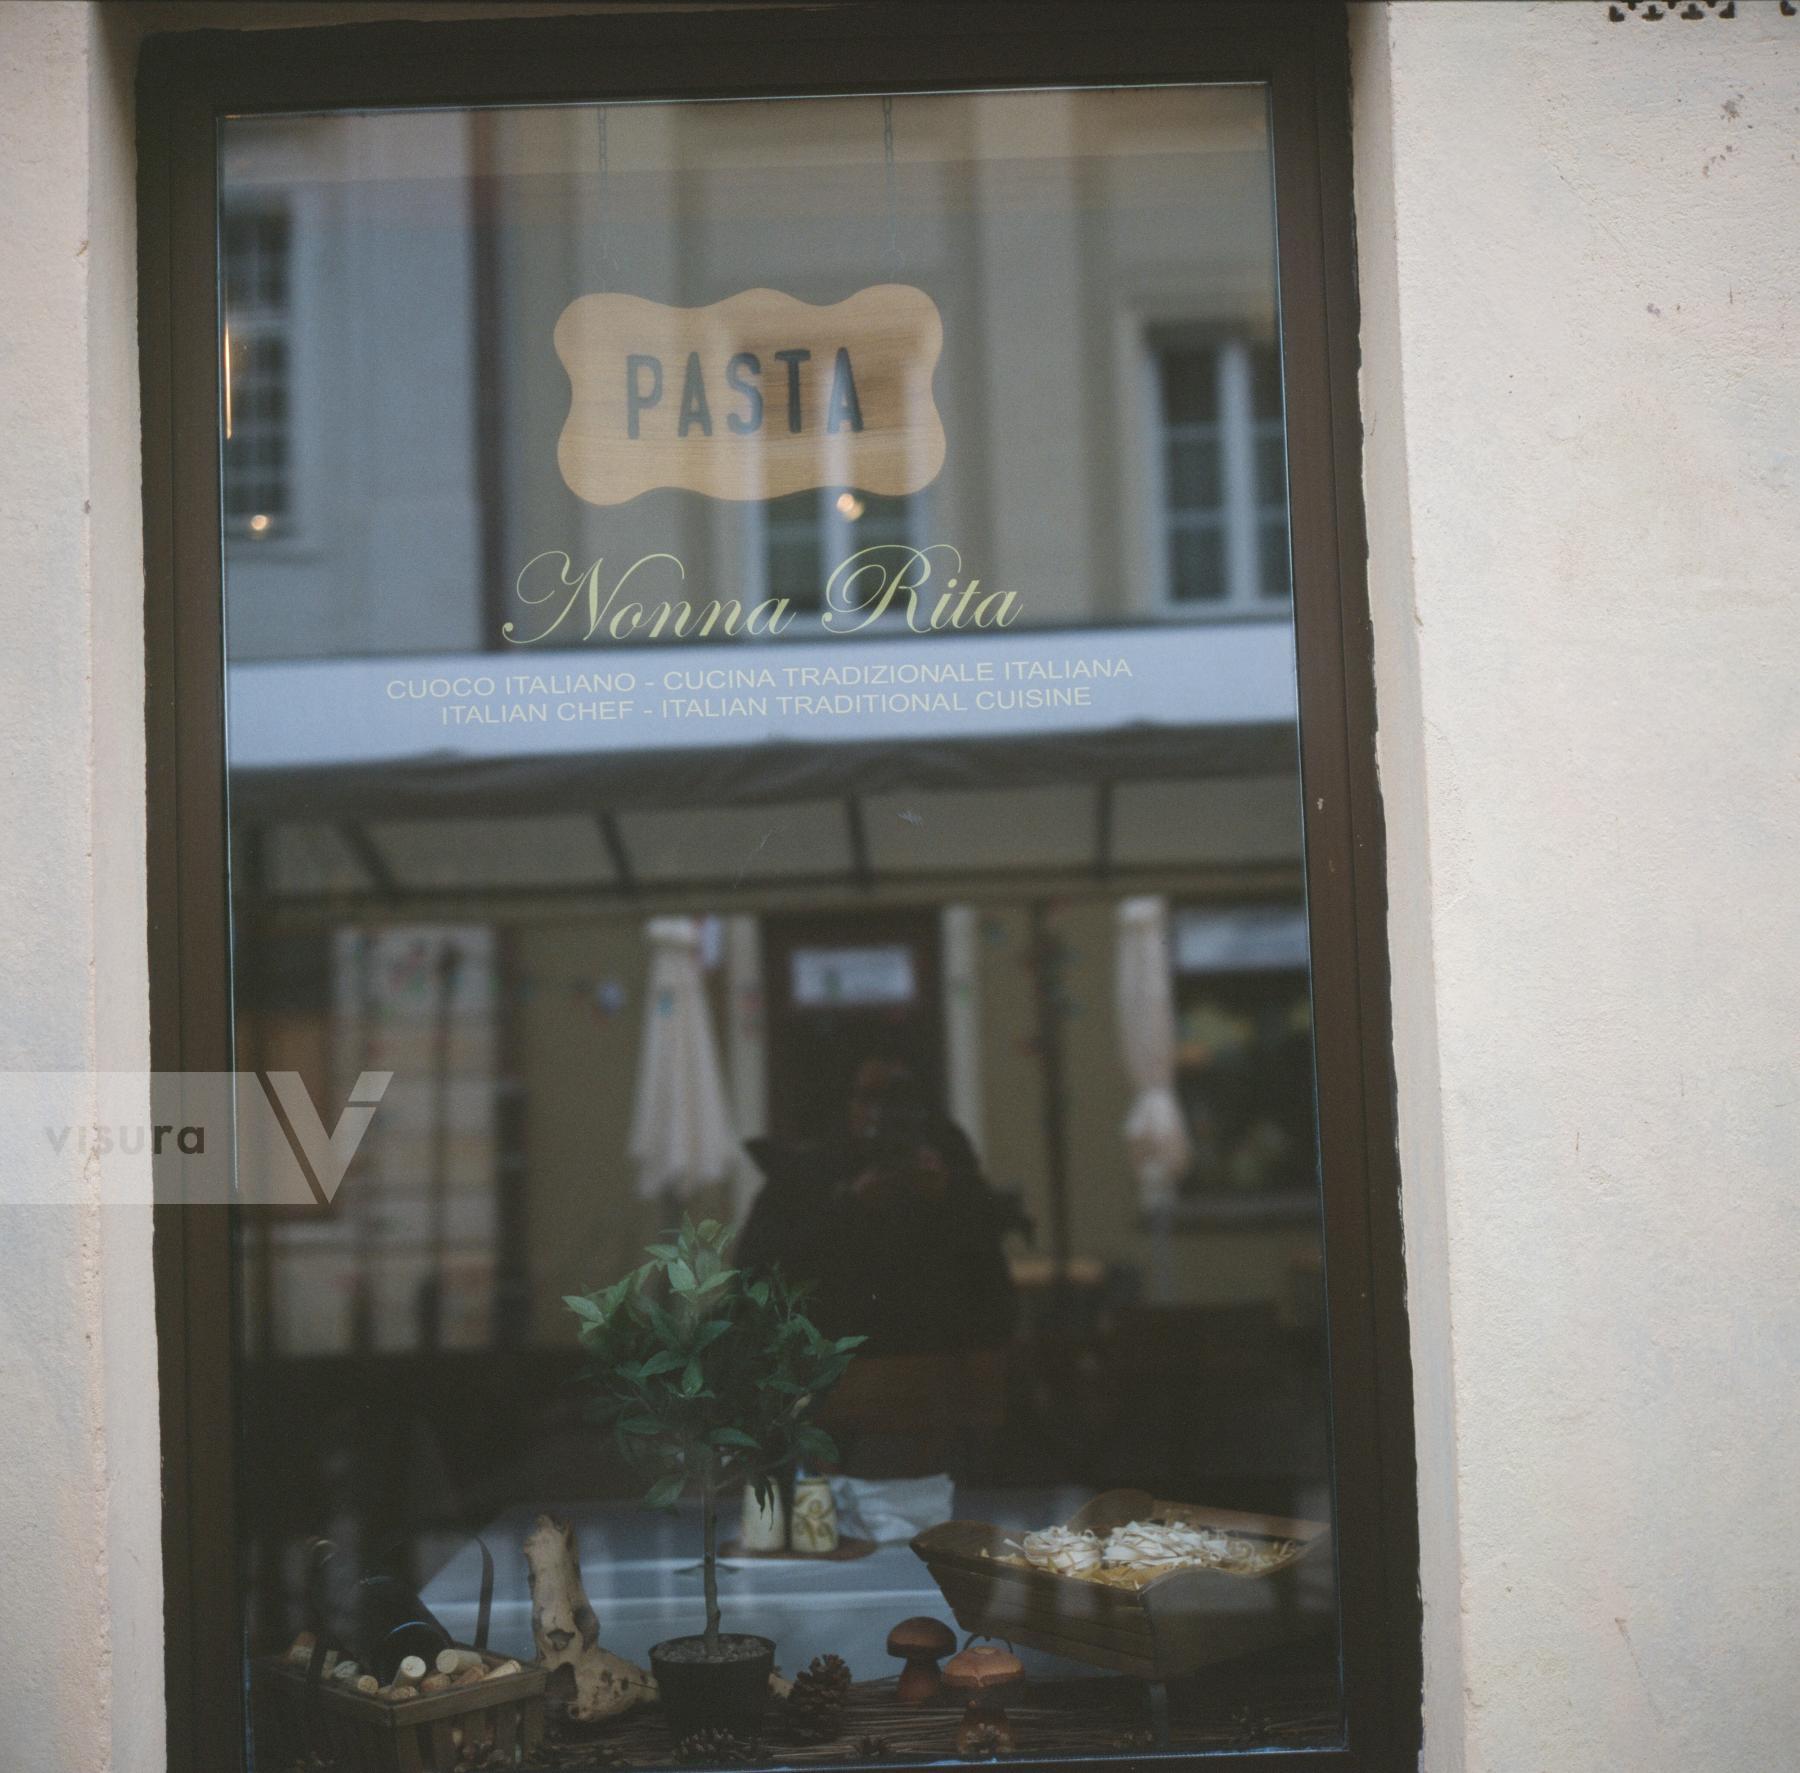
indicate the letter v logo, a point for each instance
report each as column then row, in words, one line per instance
column 328, row 1154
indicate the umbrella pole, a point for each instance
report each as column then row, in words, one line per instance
column 362, row 1202
column 431, row 1289
column 1046, row 961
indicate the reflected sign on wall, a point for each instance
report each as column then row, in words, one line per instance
column 851, row 978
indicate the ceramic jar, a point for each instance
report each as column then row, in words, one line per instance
column 814, row 1526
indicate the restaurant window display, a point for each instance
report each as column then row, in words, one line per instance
column 778, row 743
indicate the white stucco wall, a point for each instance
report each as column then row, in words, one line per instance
column 1580, row 264
column 80, row 1577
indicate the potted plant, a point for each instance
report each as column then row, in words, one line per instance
column 706, row 1375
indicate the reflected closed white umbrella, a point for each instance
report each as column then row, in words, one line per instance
column 1155, row 1129
column 681, row 1132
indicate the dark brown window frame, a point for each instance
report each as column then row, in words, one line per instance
column 188, row 82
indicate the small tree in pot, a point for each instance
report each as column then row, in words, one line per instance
column 706, row 1375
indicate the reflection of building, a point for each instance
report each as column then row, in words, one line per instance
column 906, row 846
column 1111, row 397
column 1108, row 381
column 1221, row 479
column 256, row 241
column 362, row 439
column 1243, row 1003
column 568, row 852
column 411, row 1254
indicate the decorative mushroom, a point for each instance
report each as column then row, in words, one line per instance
column 981, row 1671
column 921, row 1641
column 981, row 1668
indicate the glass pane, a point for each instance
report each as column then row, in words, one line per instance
column 1194, row 478
column 1190, row 385
column 763, row 731
column 1197, row 562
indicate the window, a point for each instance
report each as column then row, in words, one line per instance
column 941, row 948
column 1223, row 460
column 1243, row 1067
column 828, row 977
column 411, row 1266
column 255, row 253
column 805, row 534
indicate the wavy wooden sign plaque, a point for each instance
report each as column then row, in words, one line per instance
column 755, row 396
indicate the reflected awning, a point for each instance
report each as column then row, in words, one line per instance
column 1184, row 756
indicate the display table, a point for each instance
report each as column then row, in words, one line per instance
column 641, row 1571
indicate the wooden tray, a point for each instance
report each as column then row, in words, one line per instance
column 1172, row 1625
column 430, row 1734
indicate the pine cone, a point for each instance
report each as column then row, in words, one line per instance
column 816, row 1705
column 717, row 1748
column 873, row 1748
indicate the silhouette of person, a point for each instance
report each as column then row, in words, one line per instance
column 892, row 1221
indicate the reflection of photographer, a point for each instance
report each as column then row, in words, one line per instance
column 899, row 1140
column 893, row 1221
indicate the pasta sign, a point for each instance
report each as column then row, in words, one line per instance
column 756, row 396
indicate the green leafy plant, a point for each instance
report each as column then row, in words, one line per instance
column 706, row 1375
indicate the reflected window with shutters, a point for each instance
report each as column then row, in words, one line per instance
column 256, row 247
column 1223, row 461
column 804, row 535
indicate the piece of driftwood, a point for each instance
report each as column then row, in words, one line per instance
column 567, row 1631
column 1171, row 1625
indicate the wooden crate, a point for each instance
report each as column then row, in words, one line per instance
column 1172, row 1625
column 501, row 1717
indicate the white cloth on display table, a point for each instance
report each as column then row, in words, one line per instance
column 682, row 1136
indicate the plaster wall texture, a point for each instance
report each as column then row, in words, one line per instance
column 80, row 1578
column 1580, row 276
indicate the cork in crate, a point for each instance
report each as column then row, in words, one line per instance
column 491, row 1715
